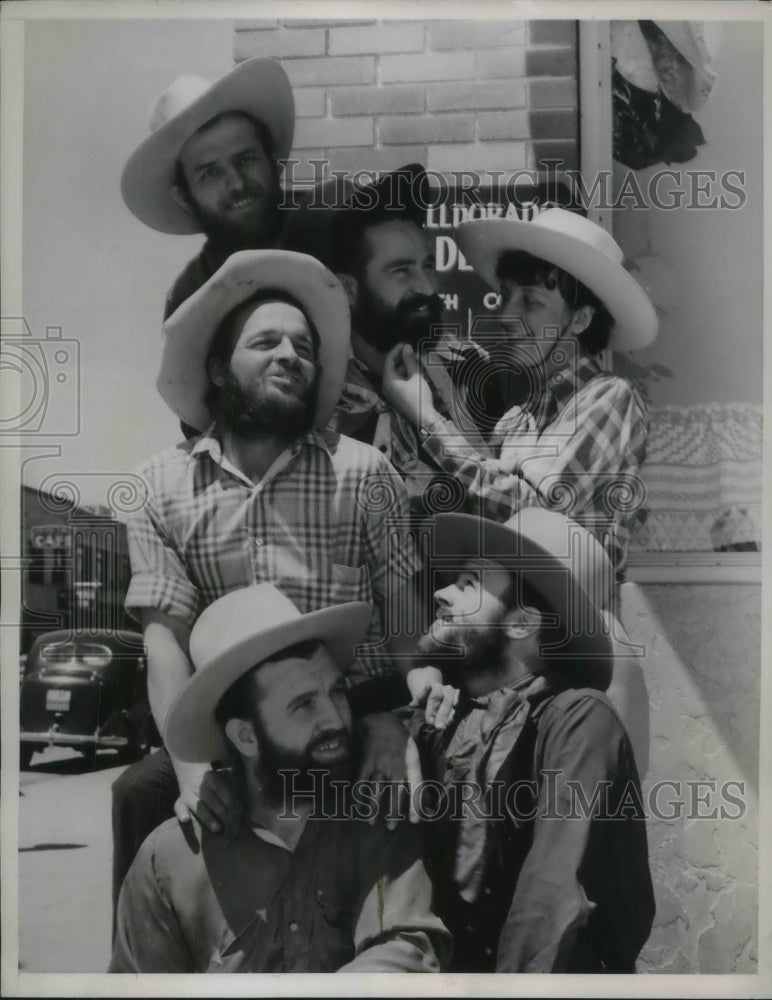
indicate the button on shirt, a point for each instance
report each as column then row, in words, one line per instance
column 325, row 524
column 576, row 449
column 350, row 898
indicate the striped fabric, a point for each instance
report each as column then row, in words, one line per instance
column 577, row 449
column 326, row 524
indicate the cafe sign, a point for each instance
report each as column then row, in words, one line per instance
column 51, row 536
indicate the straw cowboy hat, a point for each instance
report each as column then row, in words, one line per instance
column 183, row 380
column 229, row 638
column 560, row 559
column 258, row 87
column 578, row 246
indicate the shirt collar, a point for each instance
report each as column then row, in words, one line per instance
column 562, row 385
column 209, row 444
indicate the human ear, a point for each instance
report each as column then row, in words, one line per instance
column 216, row 370
column 241, row 733
column 181, row 199
column 521, row 623
column 581, row 319
column 351, row 287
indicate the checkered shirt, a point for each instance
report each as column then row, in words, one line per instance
column 363, row 413
column 577, row 449
column 326, row 524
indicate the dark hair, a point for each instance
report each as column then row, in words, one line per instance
column 228, row 330
column 264, row 137
column 529, row 270
column 349, row 252
column 237, row 701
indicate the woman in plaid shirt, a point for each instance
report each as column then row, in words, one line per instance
column 576, row 438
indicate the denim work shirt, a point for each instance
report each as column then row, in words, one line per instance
column 350, row 898
column 555, row 877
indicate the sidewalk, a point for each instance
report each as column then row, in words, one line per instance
column 65, row 860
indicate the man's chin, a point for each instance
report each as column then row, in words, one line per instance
column 442, row 640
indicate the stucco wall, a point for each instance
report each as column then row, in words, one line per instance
column 702, row 670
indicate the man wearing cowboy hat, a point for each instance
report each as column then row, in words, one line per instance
column 255, row 360
column 211, row 165
column 372, row 236
column 576, row 438
column 543, row 865
column 297, row 884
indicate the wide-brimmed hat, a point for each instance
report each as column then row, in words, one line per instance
column 578, row 246
column 561, row 560
column 258, row 87
column 334, row 210
column 183, row 380
column 234, row 634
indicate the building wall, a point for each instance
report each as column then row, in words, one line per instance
column 702, row 669
column 713, row 259
column 453, row 95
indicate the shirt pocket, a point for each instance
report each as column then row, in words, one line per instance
column 349, row 583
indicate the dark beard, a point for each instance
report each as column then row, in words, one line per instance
column 257, row 232
column 248, row 415
column 309, row 777
column 383, row 327
column 474, row 648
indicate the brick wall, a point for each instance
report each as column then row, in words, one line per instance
column 453, row 95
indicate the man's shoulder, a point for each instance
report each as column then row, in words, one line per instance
column 348, row 453
column 195, row 274
column 166, row 461
column 172, row 848
column 586, row 706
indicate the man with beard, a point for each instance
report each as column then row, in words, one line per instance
column 295, row 884
column 256, row 360
column 577, row 438
column 211, row 165
column 373, row 237
column 542, row 862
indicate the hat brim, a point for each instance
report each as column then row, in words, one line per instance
column 191, row 732
column 587, row 648
column 258, row 87
column 183, row 381
column 483, row 241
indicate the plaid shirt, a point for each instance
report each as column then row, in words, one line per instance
column 577, row 449
column 325, row 524
column 364, row 414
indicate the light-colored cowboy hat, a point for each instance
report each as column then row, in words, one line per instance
column 560, row 559
column 234, row 634
column 578, row 246
column 258, row 87
column 183, row 380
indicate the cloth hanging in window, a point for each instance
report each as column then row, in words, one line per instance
column 660, row 74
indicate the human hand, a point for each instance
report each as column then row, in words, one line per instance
column 439, row 700
column 405, row 387
column 208, row 795
column 441, row 704
column 390, row 757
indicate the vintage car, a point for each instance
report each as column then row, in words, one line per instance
column 86, row 690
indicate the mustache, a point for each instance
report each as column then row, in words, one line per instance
column 417, row 301
column 248, row 191
column 330, row 734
